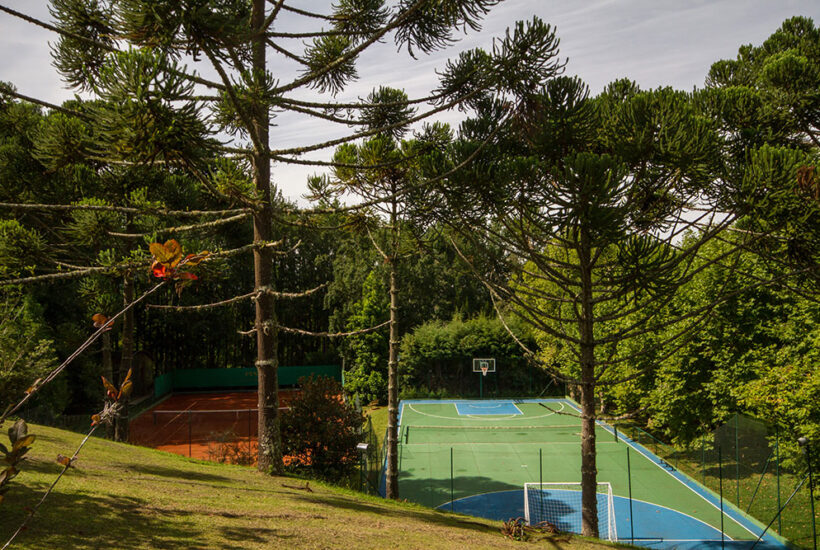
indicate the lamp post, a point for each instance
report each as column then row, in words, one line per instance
column 804, row 442
column 362, row 448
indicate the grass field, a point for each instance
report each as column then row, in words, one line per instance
column 124, row 496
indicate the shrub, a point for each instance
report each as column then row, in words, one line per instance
column 321, row 430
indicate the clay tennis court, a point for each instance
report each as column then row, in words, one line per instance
column 210, row 426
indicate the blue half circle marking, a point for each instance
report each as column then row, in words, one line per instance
column 655, row 526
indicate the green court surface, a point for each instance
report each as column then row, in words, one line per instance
column 456, row 452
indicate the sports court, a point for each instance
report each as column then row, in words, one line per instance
column 192, row 424
column 475, row 457
column 212, row 413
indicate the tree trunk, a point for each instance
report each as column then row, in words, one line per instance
column 589, row 472
column 392, row 481
column 392, row 486
column 269, row 457
column 126, row 354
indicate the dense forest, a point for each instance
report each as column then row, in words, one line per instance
column 651, row 252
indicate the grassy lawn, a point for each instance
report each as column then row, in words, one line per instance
column 123, row 496
column 378, row 416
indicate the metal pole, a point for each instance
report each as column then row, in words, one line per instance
column 703, row 459
column 481, row 386
column 541, row 482
column 189, row 434
column 250, row 443
column 361, row 471
column 777, row 450
column 629, row 482
column 720, row 476
column 451, row 479
column 804, row 442
column 737, row 460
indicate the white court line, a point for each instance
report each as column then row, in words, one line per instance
column 521, row 416
column 712, row 527
column 516, row 443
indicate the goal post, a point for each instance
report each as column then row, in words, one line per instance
column 559, row 503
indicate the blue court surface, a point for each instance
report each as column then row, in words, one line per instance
column 474, row 457
column 483, row 408
column 654, row 526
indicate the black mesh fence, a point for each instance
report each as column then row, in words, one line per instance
column 746, row 462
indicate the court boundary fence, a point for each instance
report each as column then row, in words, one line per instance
column 745, row 462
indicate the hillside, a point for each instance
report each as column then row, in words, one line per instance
column 122, row 496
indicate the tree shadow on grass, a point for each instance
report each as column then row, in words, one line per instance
column 258, row 535
column 78, row 520
column 184, row 475
column 81, row 521
column 434, row 492
column 429, row 516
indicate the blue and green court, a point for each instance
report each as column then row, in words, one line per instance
column 474, row 457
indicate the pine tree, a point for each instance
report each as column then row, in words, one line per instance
column 151, row 108
column 600, row 208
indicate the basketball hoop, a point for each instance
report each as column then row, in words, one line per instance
column 483, row 365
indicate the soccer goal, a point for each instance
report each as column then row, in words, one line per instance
column 560, row 505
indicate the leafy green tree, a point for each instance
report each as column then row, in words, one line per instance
column 26, row 351
column 365, row 374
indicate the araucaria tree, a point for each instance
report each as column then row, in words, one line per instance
column 387, row 183
column 600, row 208
column 153, row 109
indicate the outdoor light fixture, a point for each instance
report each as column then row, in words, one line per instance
column 804, row 442
column 362, row 448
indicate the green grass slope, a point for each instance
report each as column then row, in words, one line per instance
column 123, row 496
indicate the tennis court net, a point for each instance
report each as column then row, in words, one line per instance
column 419, row 434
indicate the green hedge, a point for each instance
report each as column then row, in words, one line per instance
column 436, row 361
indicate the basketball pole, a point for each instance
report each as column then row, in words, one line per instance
column 481, row 385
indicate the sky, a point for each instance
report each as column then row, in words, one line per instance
column 653, row 42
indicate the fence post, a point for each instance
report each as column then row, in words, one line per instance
column 737, row 459
column 629, row 481
column 250, row 443
column 804, row 442
column 541, row 480
column 720, row 477
column 703, row 458
column 189, row 434
column 451, row 479
column 777, row 450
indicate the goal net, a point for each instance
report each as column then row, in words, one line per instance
column 560, row 505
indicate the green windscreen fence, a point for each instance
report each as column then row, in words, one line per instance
column 222, row 379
